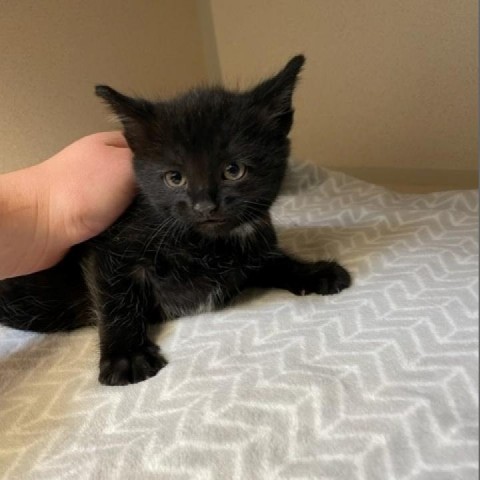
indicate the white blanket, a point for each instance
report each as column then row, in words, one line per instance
column 376, row 383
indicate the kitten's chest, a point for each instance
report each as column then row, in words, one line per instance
column 195, row 280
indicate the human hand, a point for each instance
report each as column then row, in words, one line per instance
column 89, row 183
column 65, row 200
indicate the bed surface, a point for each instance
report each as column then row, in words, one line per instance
column 379, row 382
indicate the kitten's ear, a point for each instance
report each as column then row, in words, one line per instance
column 273, row 97
column 136, row 115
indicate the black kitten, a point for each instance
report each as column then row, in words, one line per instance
column 208, row 164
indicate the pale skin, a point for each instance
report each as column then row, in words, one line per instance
column 73, row 196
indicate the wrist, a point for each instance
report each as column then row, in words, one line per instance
column 25, row 223
column 63, row 203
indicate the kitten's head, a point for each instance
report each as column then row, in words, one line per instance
column 213, row 159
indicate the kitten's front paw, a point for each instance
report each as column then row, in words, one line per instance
column 324, row 278
column 133, row 367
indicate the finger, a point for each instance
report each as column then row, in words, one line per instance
column 114, row 139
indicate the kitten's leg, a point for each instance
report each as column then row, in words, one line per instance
column 299, row 277
column 127, row 355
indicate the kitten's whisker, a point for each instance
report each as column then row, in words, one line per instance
column 164, row 229
column 261, row 209
column 156, row 232
column 248, row 217
column 168, row 233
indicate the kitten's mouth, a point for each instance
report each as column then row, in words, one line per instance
column 212, row 222
column 213, row 226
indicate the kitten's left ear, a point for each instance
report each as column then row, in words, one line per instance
column 136, row 115
column 273, row 97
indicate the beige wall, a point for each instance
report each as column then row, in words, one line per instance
column 389, row 91
column 53, row 52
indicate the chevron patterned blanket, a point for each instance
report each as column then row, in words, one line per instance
column 377, row 383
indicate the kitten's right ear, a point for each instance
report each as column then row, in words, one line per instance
column 136, row 114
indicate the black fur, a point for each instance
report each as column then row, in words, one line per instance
column 185, row 247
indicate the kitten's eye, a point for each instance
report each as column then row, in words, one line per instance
column 175, row 179
column 234, row 171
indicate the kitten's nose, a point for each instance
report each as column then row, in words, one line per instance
column 204, row 207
